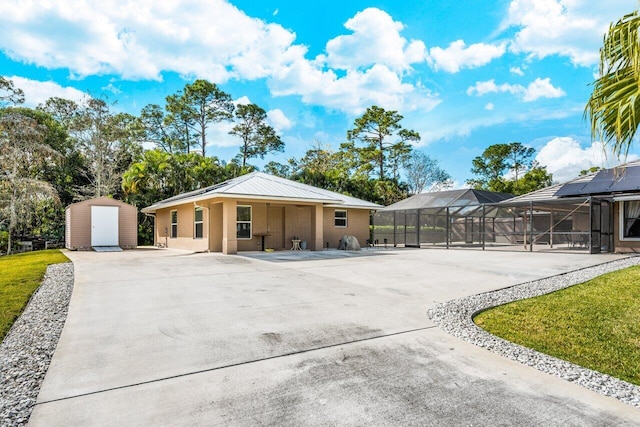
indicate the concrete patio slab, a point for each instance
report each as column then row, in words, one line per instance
column 173, row 338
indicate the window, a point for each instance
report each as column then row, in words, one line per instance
column 340, row 219
column 197, row 223
column 631, row 219
column 174, row 224
column 243, row 222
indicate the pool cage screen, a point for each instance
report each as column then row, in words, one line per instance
column 576, row 224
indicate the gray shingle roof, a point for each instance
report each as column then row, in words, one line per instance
column 258, row 185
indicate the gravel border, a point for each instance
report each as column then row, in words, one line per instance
column 455, row 317
column 26, row 351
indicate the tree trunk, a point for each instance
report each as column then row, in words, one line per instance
column 244, row 154
column 381, row 160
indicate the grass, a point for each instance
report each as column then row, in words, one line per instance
column 595, row 324
column 20, row 276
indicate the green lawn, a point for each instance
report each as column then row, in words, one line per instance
column 595, row 324
column 20, row 276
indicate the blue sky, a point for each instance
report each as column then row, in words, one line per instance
column 464, row 74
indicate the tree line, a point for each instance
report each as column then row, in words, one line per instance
column 64, row 151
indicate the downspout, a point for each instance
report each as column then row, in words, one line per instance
column 208, row 225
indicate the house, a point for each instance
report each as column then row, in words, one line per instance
column 258, row 211
column 101, row 222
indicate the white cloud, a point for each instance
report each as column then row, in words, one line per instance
column 279, row 120
column 37, row 92
column 489, row 107
column 112, row 88
column 375, row 39
column 539, row 88
column 244, row 100
column 565, row 157
column 354, row 92
column 571, row 28
column 517, row 71
column 218, row 135
column 457, row 56
column 214, row 40
column 542, row 88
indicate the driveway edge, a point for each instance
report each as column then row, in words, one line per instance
column 455, row 318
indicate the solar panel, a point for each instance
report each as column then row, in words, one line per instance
column 570, row 189
column 605, row 181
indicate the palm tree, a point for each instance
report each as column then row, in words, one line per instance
column 614, row 106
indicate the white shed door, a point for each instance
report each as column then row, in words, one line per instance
column 104, row 226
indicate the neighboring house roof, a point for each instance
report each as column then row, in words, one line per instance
column 258, row 185
column 449, row 198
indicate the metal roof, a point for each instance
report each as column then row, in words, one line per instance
column 258, row 185
column 449, row 198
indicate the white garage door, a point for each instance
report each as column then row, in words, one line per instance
column 104, row 226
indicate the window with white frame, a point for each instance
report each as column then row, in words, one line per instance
column 243, row 222
column 340, row 219
column 630, row 223
column 174, row 224
column 198, row 224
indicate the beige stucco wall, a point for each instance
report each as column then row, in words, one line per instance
column 78, row 223
column 357, row 225
column 186, row 228
column 215, row 227
column 298, row 219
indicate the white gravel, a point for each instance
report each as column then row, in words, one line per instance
column 26, row 351
column 455, row 317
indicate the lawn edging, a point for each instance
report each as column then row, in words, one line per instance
column 456, row 318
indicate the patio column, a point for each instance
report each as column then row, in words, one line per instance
column 317, row 228
column 229, row 232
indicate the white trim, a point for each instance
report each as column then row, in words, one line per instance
column 244, row 222
column 171, row 236
column 625, row 198
column 195, row 222
column 621, row 218
column 346, row 218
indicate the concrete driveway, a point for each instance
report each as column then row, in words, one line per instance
column 162, row 337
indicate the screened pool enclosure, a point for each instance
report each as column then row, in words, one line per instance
column 487, row 220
